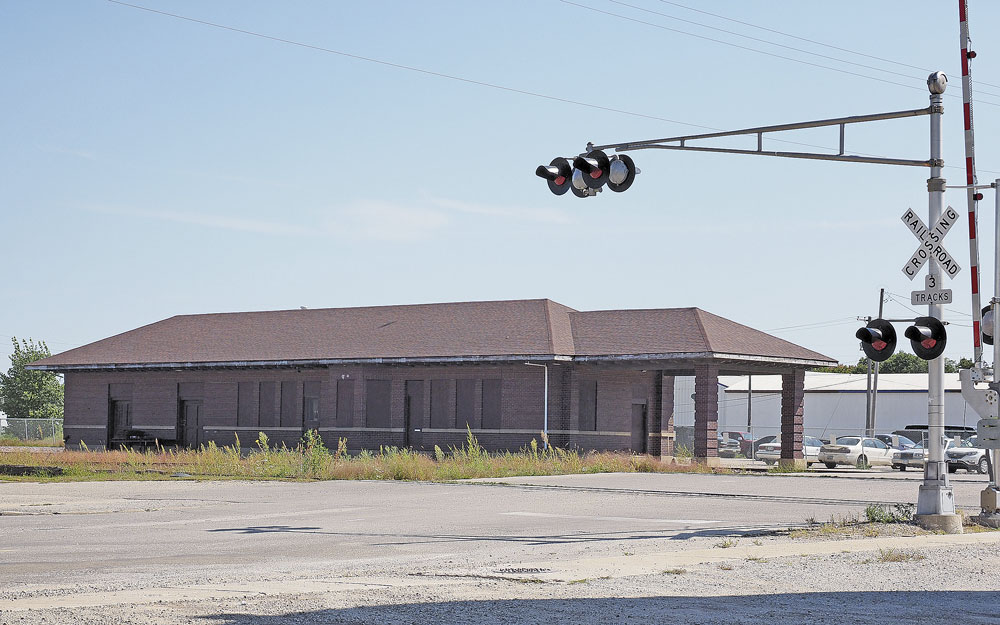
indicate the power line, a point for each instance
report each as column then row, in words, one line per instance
column 467, row 80
column 774, row 43
column 806, row 39
column 749, row 49
column 818, row 324
column 408, row 67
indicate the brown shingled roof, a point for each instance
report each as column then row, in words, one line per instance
column 673, row 331
column 463, row 330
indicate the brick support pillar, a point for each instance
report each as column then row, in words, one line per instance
column 706, row 411
column 667, row 416
column 792, row 390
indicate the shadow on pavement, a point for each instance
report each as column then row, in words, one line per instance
column 680, row 533
column 833, row 608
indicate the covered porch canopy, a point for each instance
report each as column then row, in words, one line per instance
column 692, row 342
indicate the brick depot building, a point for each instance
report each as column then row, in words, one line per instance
column 419, row 375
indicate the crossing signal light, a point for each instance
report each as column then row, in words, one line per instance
column 558, row 173
column 986, row 325
column 927, row 337
column 878, row 339
column 588, row 173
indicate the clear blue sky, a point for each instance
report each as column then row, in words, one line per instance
column 154, row 166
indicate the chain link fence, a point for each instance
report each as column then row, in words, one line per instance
column 41, row 430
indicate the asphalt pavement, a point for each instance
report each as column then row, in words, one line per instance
column 98, row 545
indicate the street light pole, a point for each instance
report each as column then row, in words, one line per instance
column 935, row 498
column 545, row 395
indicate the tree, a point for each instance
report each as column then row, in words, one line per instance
column 900, row 362
column 30, row 394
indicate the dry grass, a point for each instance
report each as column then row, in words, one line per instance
column 52, row 441
column 310, row 459
column 890, row 554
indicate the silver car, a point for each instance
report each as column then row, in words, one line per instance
column 859, row 451
column 770, row 453
column 914, row 457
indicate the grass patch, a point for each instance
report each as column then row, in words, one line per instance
column 675, row 571
column 891, row 554
column 578, row 581
column 898, row 513
column 311, row 459
column 726, row 567
column 786, row 468
column 51, row 441
column 727, row 543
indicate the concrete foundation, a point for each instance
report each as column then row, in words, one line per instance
column 947, row 523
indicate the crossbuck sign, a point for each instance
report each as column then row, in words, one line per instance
column 930, row 243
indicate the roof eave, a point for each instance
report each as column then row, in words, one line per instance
column 318, row 362
column 325, row 362
column 783, row 360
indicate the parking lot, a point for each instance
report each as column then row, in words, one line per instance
column 352, row 551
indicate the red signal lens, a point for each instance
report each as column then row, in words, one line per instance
column 560, row 180
column 879, row 345
column 928, row 343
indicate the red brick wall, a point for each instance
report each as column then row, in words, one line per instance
column 155, row 404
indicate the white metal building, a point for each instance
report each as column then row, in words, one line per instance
column 835, row 403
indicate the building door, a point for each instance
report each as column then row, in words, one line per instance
column 640, row 433
column 413, row 414
column 119, row 420
column 189, row 423
column 310, row 406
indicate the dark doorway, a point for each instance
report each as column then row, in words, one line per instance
column 119, row 420
column 640, row 433
column 310, row 405
column 188, row 423
column 413, row 414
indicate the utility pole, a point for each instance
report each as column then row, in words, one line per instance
column 881, row 303
column 868, row 388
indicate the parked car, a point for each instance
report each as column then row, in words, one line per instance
column 966, row 455
column 728, row 447
column 901, row 442
column 859, row 451
column 744, row 440
column 771, row 452
column 915, row 457
column 762, row 441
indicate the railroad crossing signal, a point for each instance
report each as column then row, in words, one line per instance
column 878, row 339
column 986, row 326
column 588, row 173
column 927, row 337
column 930, row 243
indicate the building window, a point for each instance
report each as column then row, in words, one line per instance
column 439, row 405
column 588, row 405
column 345, row 403
column 491, row 404
column 465, row 404
column 377, row 396
column 268, row 410
column 289, row 405
column 246, row 405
